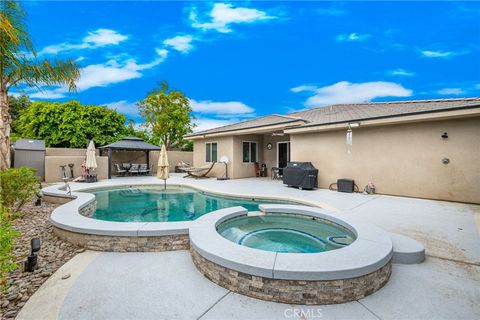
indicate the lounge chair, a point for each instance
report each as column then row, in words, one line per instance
column 182, row 166
column 200, row 172
column 119, row 170
column 134, row 169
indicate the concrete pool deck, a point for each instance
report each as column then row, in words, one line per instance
column 166, row 285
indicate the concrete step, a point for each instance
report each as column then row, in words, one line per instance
column 406, row 250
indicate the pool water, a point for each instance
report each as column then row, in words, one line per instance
column 286, row 233
column 154, row 204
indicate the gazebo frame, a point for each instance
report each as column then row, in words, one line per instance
column 129, row 144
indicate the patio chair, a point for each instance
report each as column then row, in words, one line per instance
column 134, row 169
column 200, row 172
column 143, row 169
column 119, row 170
column 126, row 166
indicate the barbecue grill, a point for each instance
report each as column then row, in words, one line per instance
column 302, row 175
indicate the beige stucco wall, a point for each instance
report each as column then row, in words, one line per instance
column 233, row 149
column 270, row 156
column 66, row 152
column 53, row 171
column 401, row 160
column 173, row 158
column 224, row 148
column 241, row 169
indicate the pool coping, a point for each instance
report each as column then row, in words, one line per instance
column 372, row 249
column 68, row 217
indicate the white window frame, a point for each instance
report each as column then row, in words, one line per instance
column 249, row 151
column 211, row 154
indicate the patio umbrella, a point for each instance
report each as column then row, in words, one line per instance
column 91, row 162
column 163, row 166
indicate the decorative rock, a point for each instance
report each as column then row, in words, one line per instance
column 34, row 222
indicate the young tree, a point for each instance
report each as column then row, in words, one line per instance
column 167, row 112
column 19, row 66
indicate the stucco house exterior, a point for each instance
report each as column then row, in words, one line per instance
column 424, row 148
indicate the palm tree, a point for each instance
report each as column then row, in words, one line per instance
column 20, row 66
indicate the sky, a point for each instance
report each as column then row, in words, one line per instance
column 238, row 60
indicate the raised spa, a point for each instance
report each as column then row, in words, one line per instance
column 292, row 233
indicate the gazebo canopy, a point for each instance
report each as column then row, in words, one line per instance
column 131, row 143
column 128, row 144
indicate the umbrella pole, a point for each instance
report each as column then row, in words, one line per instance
column 165, row 183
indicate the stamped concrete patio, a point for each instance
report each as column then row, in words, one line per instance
column 166, row 285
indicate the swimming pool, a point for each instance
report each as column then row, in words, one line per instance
column 286, row 233
column 154, row 204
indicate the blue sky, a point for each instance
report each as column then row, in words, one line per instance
column 237, row 60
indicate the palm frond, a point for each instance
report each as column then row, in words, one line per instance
column 47, row 73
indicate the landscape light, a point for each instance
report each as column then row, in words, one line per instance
column 32, row 260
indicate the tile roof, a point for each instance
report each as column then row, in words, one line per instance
column 269, row 120
column 351, row 112
column 362, row 111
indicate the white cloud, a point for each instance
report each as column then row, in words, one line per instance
column 180, row 43
column 442, row 54
column 401, row 72
column 436, row 54
column 451, row 91
column 81, row 58
column 94, row 39
column 125, row 107
column 102, row 75
column 303, row 88
column 223, row 15
column 105, row 74
column 104, row 37
column 48, row 94
column 352, row 37
column 221, row 108
column 346, row 92
column 205, row 123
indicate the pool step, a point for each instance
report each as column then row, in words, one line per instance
column 406, row 250
column 255, row 213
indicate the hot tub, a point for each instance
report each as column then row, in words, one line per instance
column 291, row 254
column 280, row 232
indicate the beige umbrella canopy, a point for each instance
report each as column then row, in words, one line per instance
column 91, row 162
column 163, row 166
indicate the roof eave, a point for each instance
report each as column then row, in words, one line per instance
column 251, row 130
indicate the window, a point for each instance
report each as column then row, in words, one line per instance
column 211, row 152
column 249, row 152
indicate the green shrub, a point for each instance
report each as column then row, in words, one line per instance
column 7, row 258
column 17, row 187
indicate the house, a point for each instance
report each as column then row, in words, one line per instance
column 424, row 148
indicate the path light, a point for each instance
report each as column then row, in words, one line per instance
column 31, row 262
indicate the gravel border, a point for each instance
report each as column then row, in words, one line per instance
column 53, row 254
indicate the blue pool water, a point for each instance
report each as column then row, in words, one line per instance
column 154, row 204
column 286, row 233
